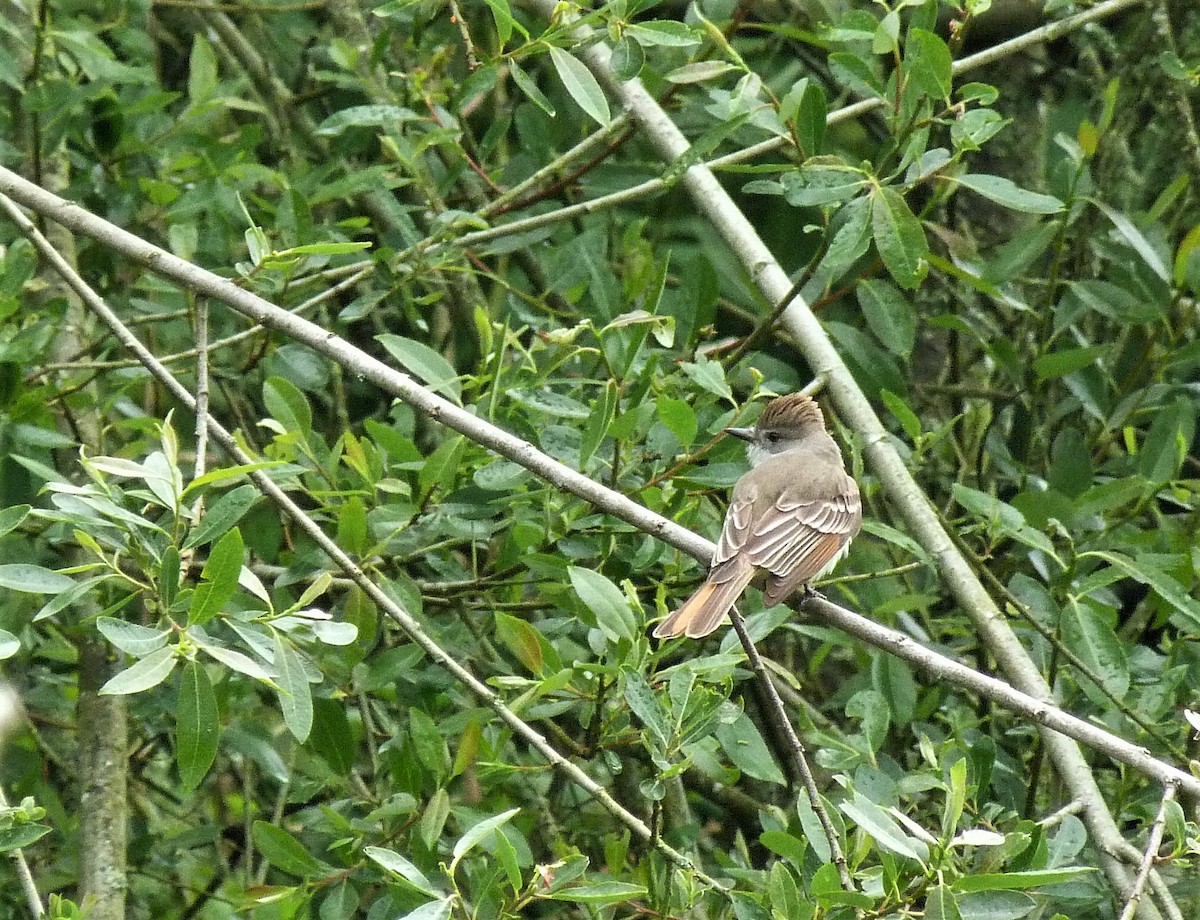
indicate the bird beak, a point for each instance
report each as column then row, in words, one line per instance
column 746, row 434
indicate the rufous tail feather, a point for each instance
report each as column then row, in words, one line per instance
column 703, row 611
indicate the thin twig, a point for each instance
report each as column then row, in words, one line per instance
column 1150, row 854
column 799, row 758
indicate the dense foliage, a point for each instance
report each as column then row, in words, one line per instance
column 1006, row 258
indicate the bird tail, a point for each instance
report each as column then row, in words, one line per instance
column 703, row 611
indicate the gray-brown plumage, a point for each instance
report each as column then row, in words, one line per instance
column 792, row 516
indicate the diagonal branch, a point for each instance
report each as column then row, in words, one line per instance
column 519, row 451
column 712, row 201
column 406, row 622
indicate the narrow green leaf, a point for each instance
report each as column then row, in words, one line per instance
column 666, row 32
column 601, row 417
column 295, row 698
column 219, row 579
column 605, row 600
column 1019, row 880
column 928, row 63
column 285, row 852
column 1096, row 644
column 11, row 517
column 884, row 828
column 33, row 579
column 481, row 832
column 288, row 405
column 643, row 703
column 899, row 237
column 890, row 314
column 196, row 726
column 905, row 416
column 581, row 85
column 1136, row 239
column 599, row 893
column 142, row 674
column 394, row 862
column 202, row 70
column 1067, row 361
column 1163, row 584
column 1007, row 193
column 424, row 363
column 434, row 910
column 520, row 638
column 530, row 88
column 366, row 116
column 742, row 743
column 132, row 638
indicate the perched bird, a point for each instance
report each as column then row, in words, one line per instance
column 792, row 516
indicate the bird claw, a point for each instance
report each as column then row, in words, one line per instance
column 811, row 592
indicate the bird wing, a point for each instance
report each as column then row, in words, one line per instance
column 794, row 538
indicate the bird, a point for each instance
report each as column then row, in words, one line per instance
column 791, row 516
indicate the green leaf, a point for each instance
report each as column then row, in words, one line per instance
column 434, row 910
column 285, row 852
column 627, row 59
column 1166, row 444
column 366, row 116
column 142, row 674
column 287, row 405
column 219, row 579
column 580, row 84
column 428, row 743
column 224, row 513
column 202, row 70
column 33, row 579
column 1067, row 361
column 890, row 314
column 699, row 72
column 481, row 832
column 601, row 416
column 295, row 698
column 1117, row 303
column 530, row 88
column 196, row 725
column 666, row 32
column 1007, row 193
column 394, row 862
column 899, row 237
column 643, row 703
column 599, row 894
column 9, row 645
column 884, row 828
column 710, row 375
column 132, row 638
column 822, row 180
column 605, row 600
column 811, row 114
column 505, row 23
column 1019, row 880
column 11, row 518
column 424, row 363
column 680, row 419
column 940, row 904
column 1095, row 643
column 742, row 743
column 1136, row 239
column 785, row 845
column 928, row 64
column 522, row 639
column 1164, row 585
column 905, row 416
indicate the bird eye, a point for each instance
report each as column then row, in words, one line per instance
column 772, row 436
